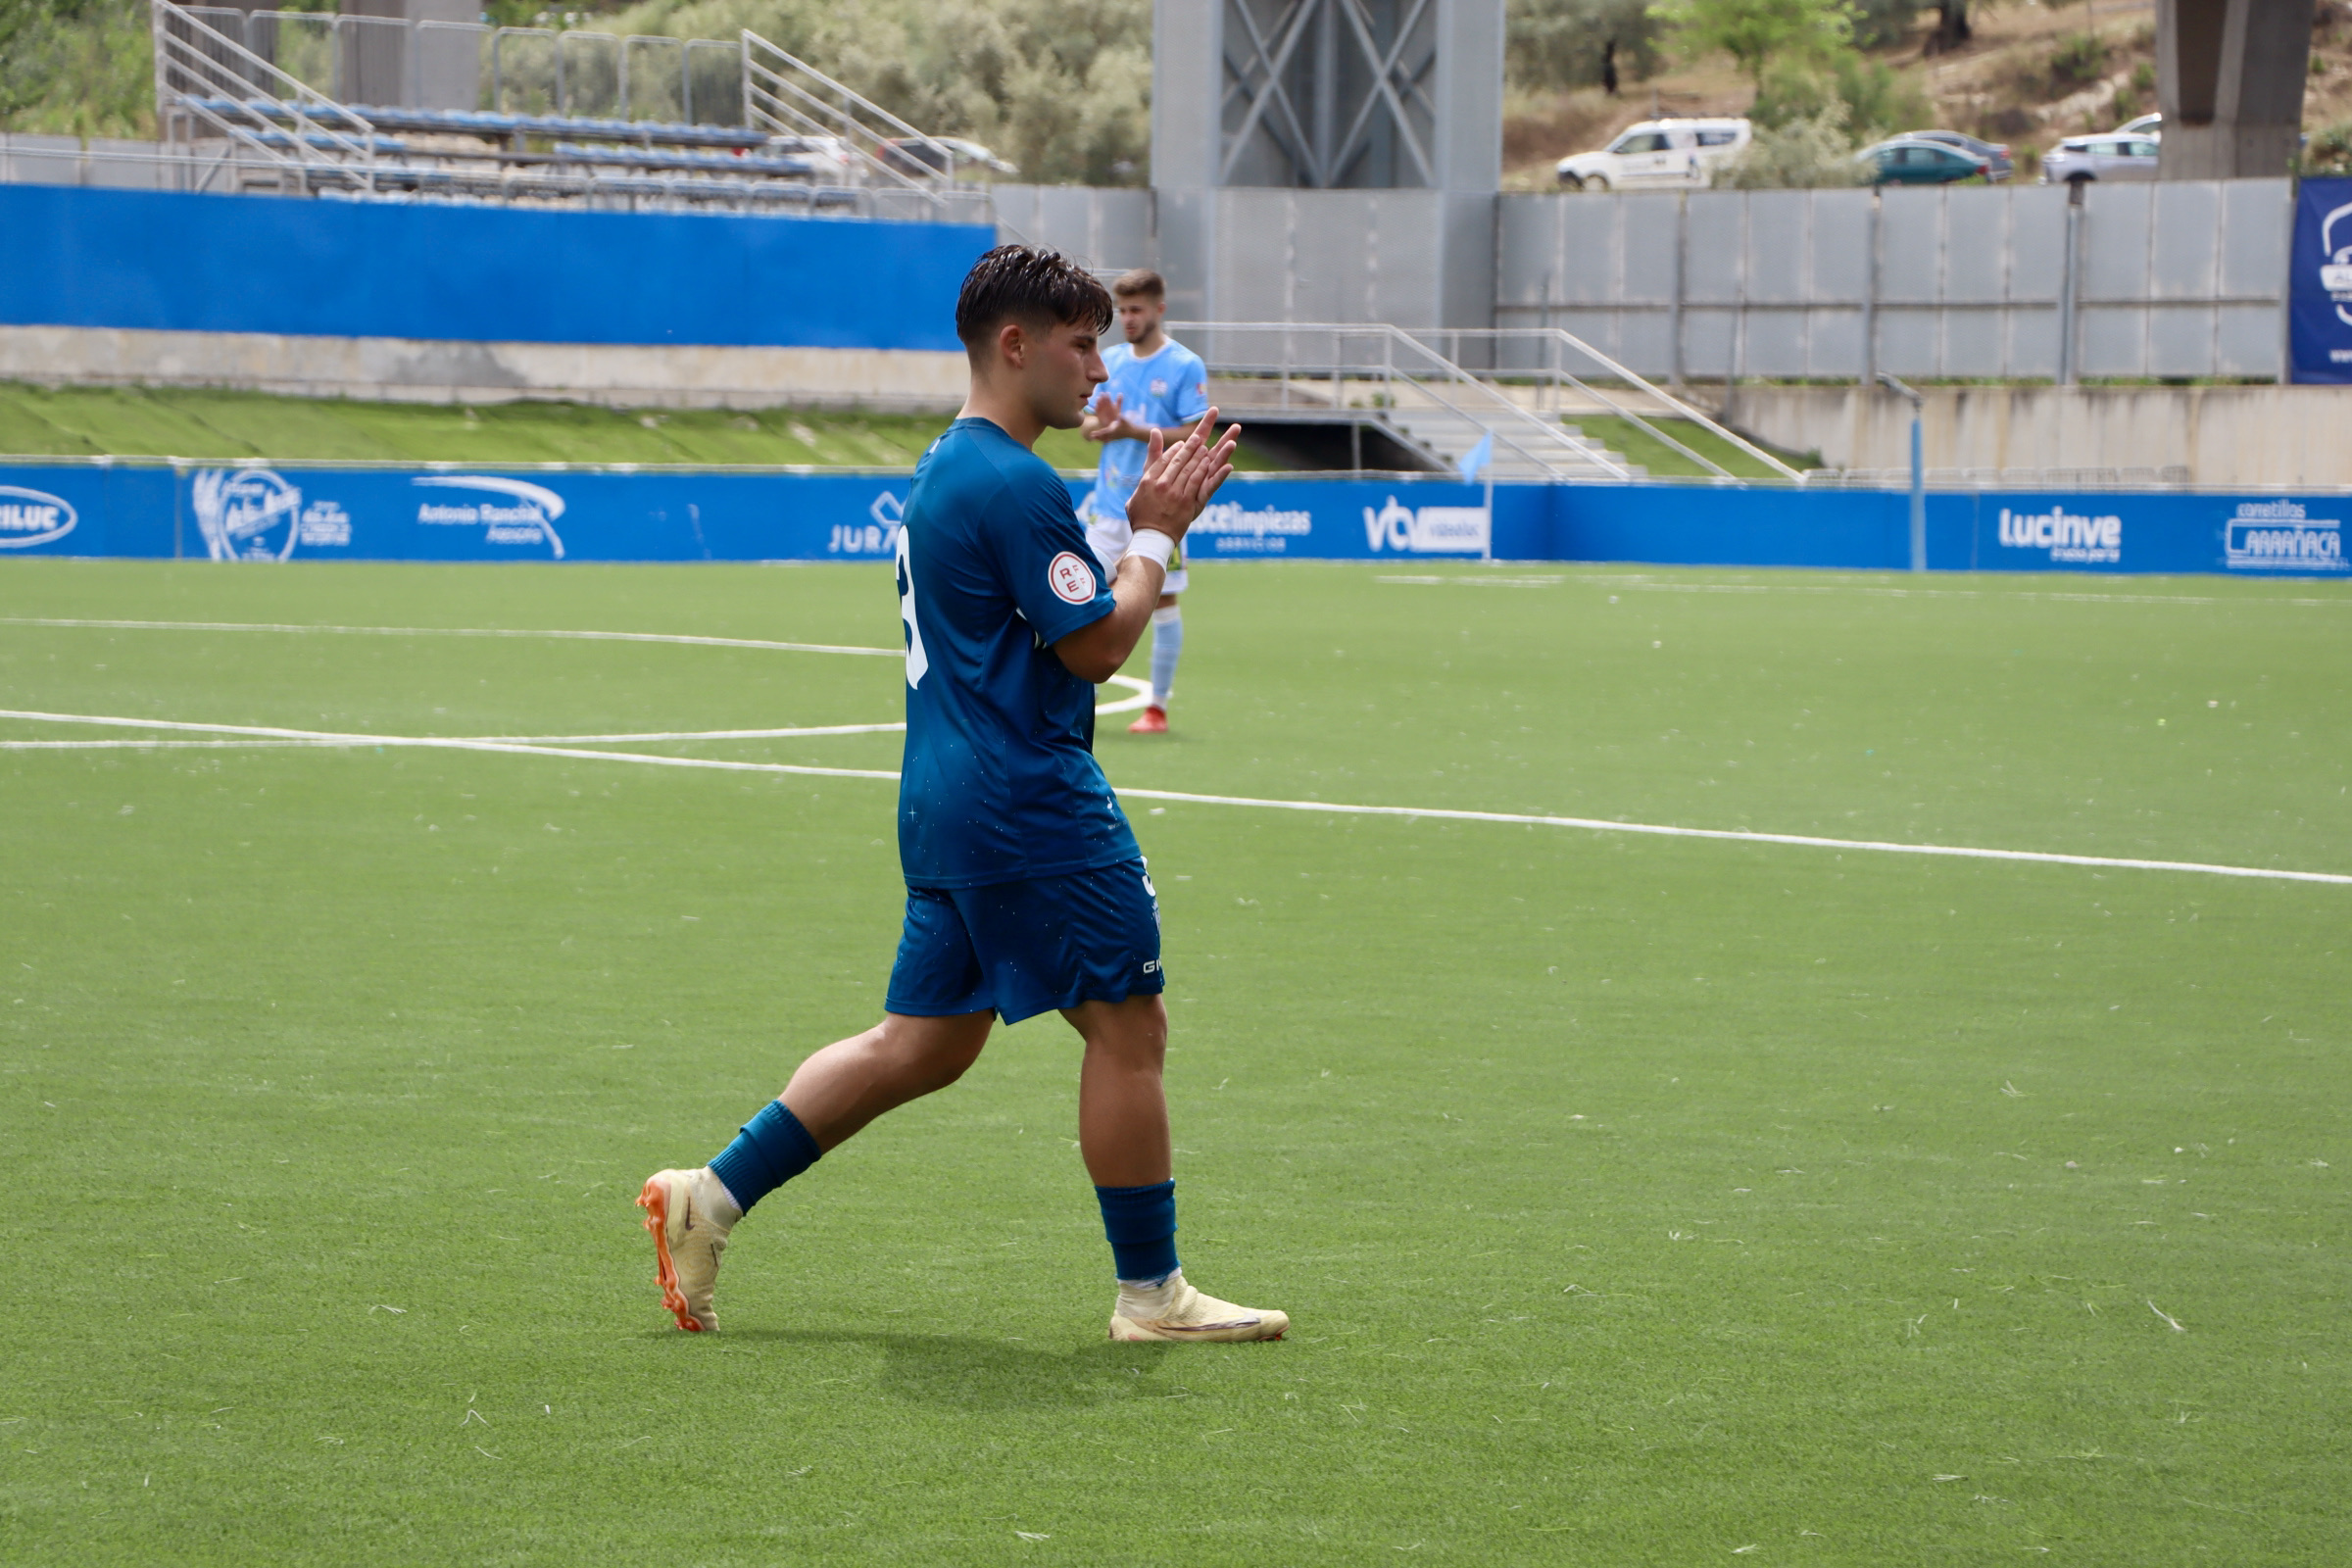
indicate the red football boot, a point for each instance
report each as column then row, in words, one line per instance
column 1154, row 722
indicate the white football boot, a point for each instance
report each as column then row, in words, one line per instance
column 689, row 1214
column 1173, row 1311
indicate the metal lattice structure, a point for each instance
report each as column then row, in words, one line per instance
column 1330, row 94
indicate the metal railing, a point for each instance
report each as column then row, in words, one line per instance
column 1546, row 367
column 298, row 136
column 1400, row 372
column 789, row 97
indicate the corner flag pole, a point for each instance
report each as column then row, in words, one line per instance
column 1919, row 478
column 1481, row 458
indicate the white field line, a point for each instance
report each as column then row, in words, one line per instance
column 461, row 631
column 267, row 733
column 699, row 734
column 1141, row 690
column 1328, row 808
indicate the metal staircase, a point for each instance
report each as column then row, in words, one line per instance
column 1389, row 376
column 1414, row 385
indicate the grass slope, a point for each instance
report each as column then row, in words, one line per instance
column 1639, row 1201
column 83, row 422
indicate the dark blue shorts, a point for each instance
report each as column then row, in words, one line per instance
column 1026, row 947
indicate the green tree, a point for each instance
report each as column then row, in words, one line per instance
column 79, row 67
column 1062, row 87
column 1756, row 32
column 1873, row 99
column 1559, row 43
column 1808, row 152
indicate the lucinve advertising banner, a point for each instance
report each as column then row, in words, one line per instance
column 261, row 513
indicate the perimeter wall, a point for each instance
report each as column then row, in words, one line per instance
column 260, row 514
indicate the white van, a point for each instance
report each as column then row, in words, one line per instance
column 1657, row 153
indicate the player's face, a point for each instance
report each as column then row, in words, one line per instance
column 1140, row 317
column 1061, row 374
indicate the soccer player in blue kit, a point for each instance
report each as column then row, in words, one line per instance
column 1025, row 890
column 1155, row 383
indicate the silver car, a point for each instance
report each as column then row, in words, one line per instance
column 2109, row 156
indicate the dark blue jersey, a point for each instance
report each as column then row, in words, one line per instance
column 1001, row 782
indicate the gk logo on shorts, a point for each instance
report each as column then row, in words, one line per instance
column 1071, row 579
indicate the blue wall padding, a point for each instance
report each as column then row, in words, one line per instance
column 272, row 264
column 260, row 512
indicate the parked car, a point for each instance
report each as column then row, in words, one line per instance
column 2112, row 156
column 1657, row 153
column 908, row 156
column 1993, row 155
column 2145, row 125
column 1915, row 161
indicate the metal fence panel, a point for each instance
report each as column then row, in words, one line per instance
column 1840, row 222
column 1648, row 247
column 2255, row 224
column 2181, row 279
column 1976, row 271
column 1778, row 243
column 1714, row 248
column 2247, row 340
column 2184, row 240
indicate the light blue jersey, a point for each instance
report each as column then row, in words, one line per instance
column 1169, row 389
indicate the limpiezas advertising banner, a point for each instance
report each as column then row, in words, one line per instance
column 2320, row 282
column 258, row 512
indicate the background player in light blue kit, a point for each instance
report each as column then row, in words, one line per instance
column 1025, row 891
column 1155, row 383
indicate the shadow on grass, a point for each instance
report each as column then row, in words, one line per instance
column 978, row 1371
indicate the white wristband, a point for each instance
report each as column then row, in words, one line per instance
column 1152, row 546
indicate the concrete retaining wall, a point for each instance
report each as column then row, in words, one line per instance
column 2258, row 437
column 413, row 370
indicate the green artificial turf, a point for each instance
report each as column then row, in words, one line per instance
column 1664, row 462
column 202, row 422
column 1639, row 1201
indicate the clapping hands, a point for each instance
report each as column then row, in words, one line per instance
column 1179, row 479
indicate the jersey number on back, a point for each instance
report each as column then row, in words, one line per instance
column 917, row 661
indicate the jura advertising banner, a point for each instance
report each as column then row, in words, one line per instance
column 2320, row 282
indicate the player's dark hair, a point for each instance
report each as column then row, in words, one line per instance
column 1141, row 283
column 1032, row 285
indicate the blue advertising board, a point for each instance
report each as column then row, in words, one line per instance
column 505, row 274
column 2319, row 285
column 262, row 512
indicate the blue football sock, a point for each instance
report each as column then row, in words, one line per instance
column 1167, row 642
column 1141, row 1222
column 772, row 1150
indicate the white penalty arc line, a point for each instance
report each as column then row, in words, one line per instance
column 265, row 734
column 272, row 735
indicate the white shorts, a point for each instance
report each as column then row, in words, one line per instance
column 1109, row 539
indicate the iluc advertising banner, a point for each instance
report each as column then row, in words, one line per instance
column 2320, row 282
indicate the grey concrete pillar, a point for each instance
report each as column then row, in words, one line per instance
column 2230, row 79
column 1345, row 97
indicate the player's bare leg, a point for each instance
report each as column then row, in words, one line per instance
column 840, row 1088
column 1123, row 1137
column 1167, row 645
column 690, row 1213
